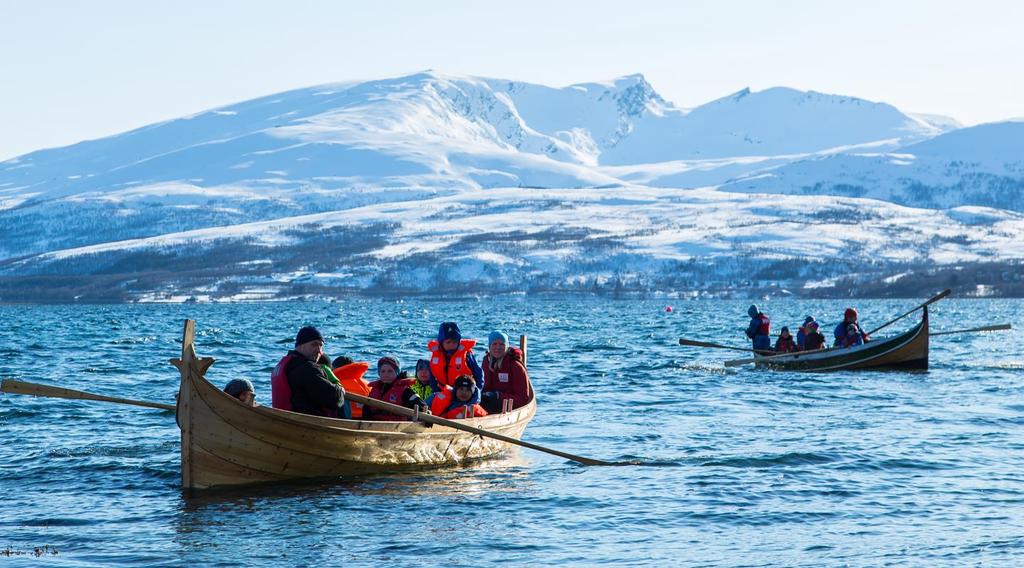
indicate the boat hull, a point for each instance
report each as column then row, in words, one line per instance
column 907, row 351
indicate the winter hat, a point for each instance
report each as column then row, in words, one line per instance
column 850, row 314
column 237, row 386
column 497, row 336
column 307, row 334
column 422, row 364
column 812, row 326
column 785, row 330
column 463, row 381
column 752, row 310
column 341, row 361
column 389, row 360
column 449, row 330
column 808, row 319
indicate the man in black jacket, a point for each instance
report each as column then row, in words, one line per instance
column 312, row 392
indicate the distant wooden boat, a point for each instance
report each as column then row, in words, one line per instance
column 908, row 350
column 225, row 442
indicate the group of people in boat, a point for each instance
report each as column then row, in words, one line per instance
column 449, row 383
column 848, row 333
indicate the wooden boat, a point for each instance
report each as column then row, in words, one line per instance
column 226, row 442
column 908, row 350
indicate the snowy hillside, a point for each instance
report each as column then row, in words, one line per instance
column 561, row 240
column 982, row 165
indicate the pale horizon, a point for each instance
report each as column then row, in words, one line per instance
column 87, row 72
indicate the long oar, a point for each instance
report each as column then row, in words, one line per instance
column 931, row 300
column 21, row 387
column 999, row 327
column 403, row 411
column 692, row 343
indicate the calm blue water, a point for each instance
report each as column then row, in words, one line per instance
column 748, row 468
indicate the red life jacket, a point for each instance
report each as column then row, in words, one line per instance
column 766, row 325
column 280, row 390
column 785, row 344
column 388, row 393
column 446, row 369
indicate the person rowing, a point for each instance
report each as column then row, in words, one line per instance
column 849, row 332
column 759, row 330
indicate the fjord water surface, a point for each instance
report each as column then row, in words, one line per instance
column 744, row 467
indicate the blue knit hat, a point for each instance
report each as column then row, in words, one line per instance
column 497, row 336
column 449, row 330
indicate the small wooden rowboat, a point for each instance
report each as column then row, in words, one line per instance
column 226, row 442
column 908, row 350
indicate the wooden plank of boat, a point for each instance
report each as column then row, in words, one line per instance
column 225, row 442
column 908, row 350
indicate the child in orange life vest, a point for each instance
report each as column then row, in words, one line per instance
column 458, row 402
column 452, row 356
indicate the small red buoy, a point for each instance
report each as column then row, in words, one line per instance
column 668, row 308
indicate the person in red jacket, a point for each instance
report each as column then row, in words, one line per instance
column 389, row 388
column 505, row 377
column 785, row 343
column 457, row 402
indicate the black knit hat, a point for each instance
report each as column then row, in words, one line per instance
column 307, row 334
column 464, row 381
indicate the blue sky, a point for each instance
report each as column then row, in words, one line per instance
column 80, row 70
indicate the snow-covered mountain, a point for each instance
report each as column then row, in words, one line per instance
column 981, row 165
column 394, row 173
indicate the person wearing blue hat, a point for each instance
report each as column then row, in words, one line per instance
column 759, row 330
column 452, row 356
column 506, row 382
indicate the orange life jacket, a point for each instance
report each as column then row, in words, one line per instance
column 446, row 369
column 351, row 378
column 441, row 406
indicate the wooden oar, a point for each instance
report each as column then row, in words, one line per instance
column 999, row 327
column 692, row 343
column 13, row 386
column 403, row 411
column 931, row 300
column 21, row 387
